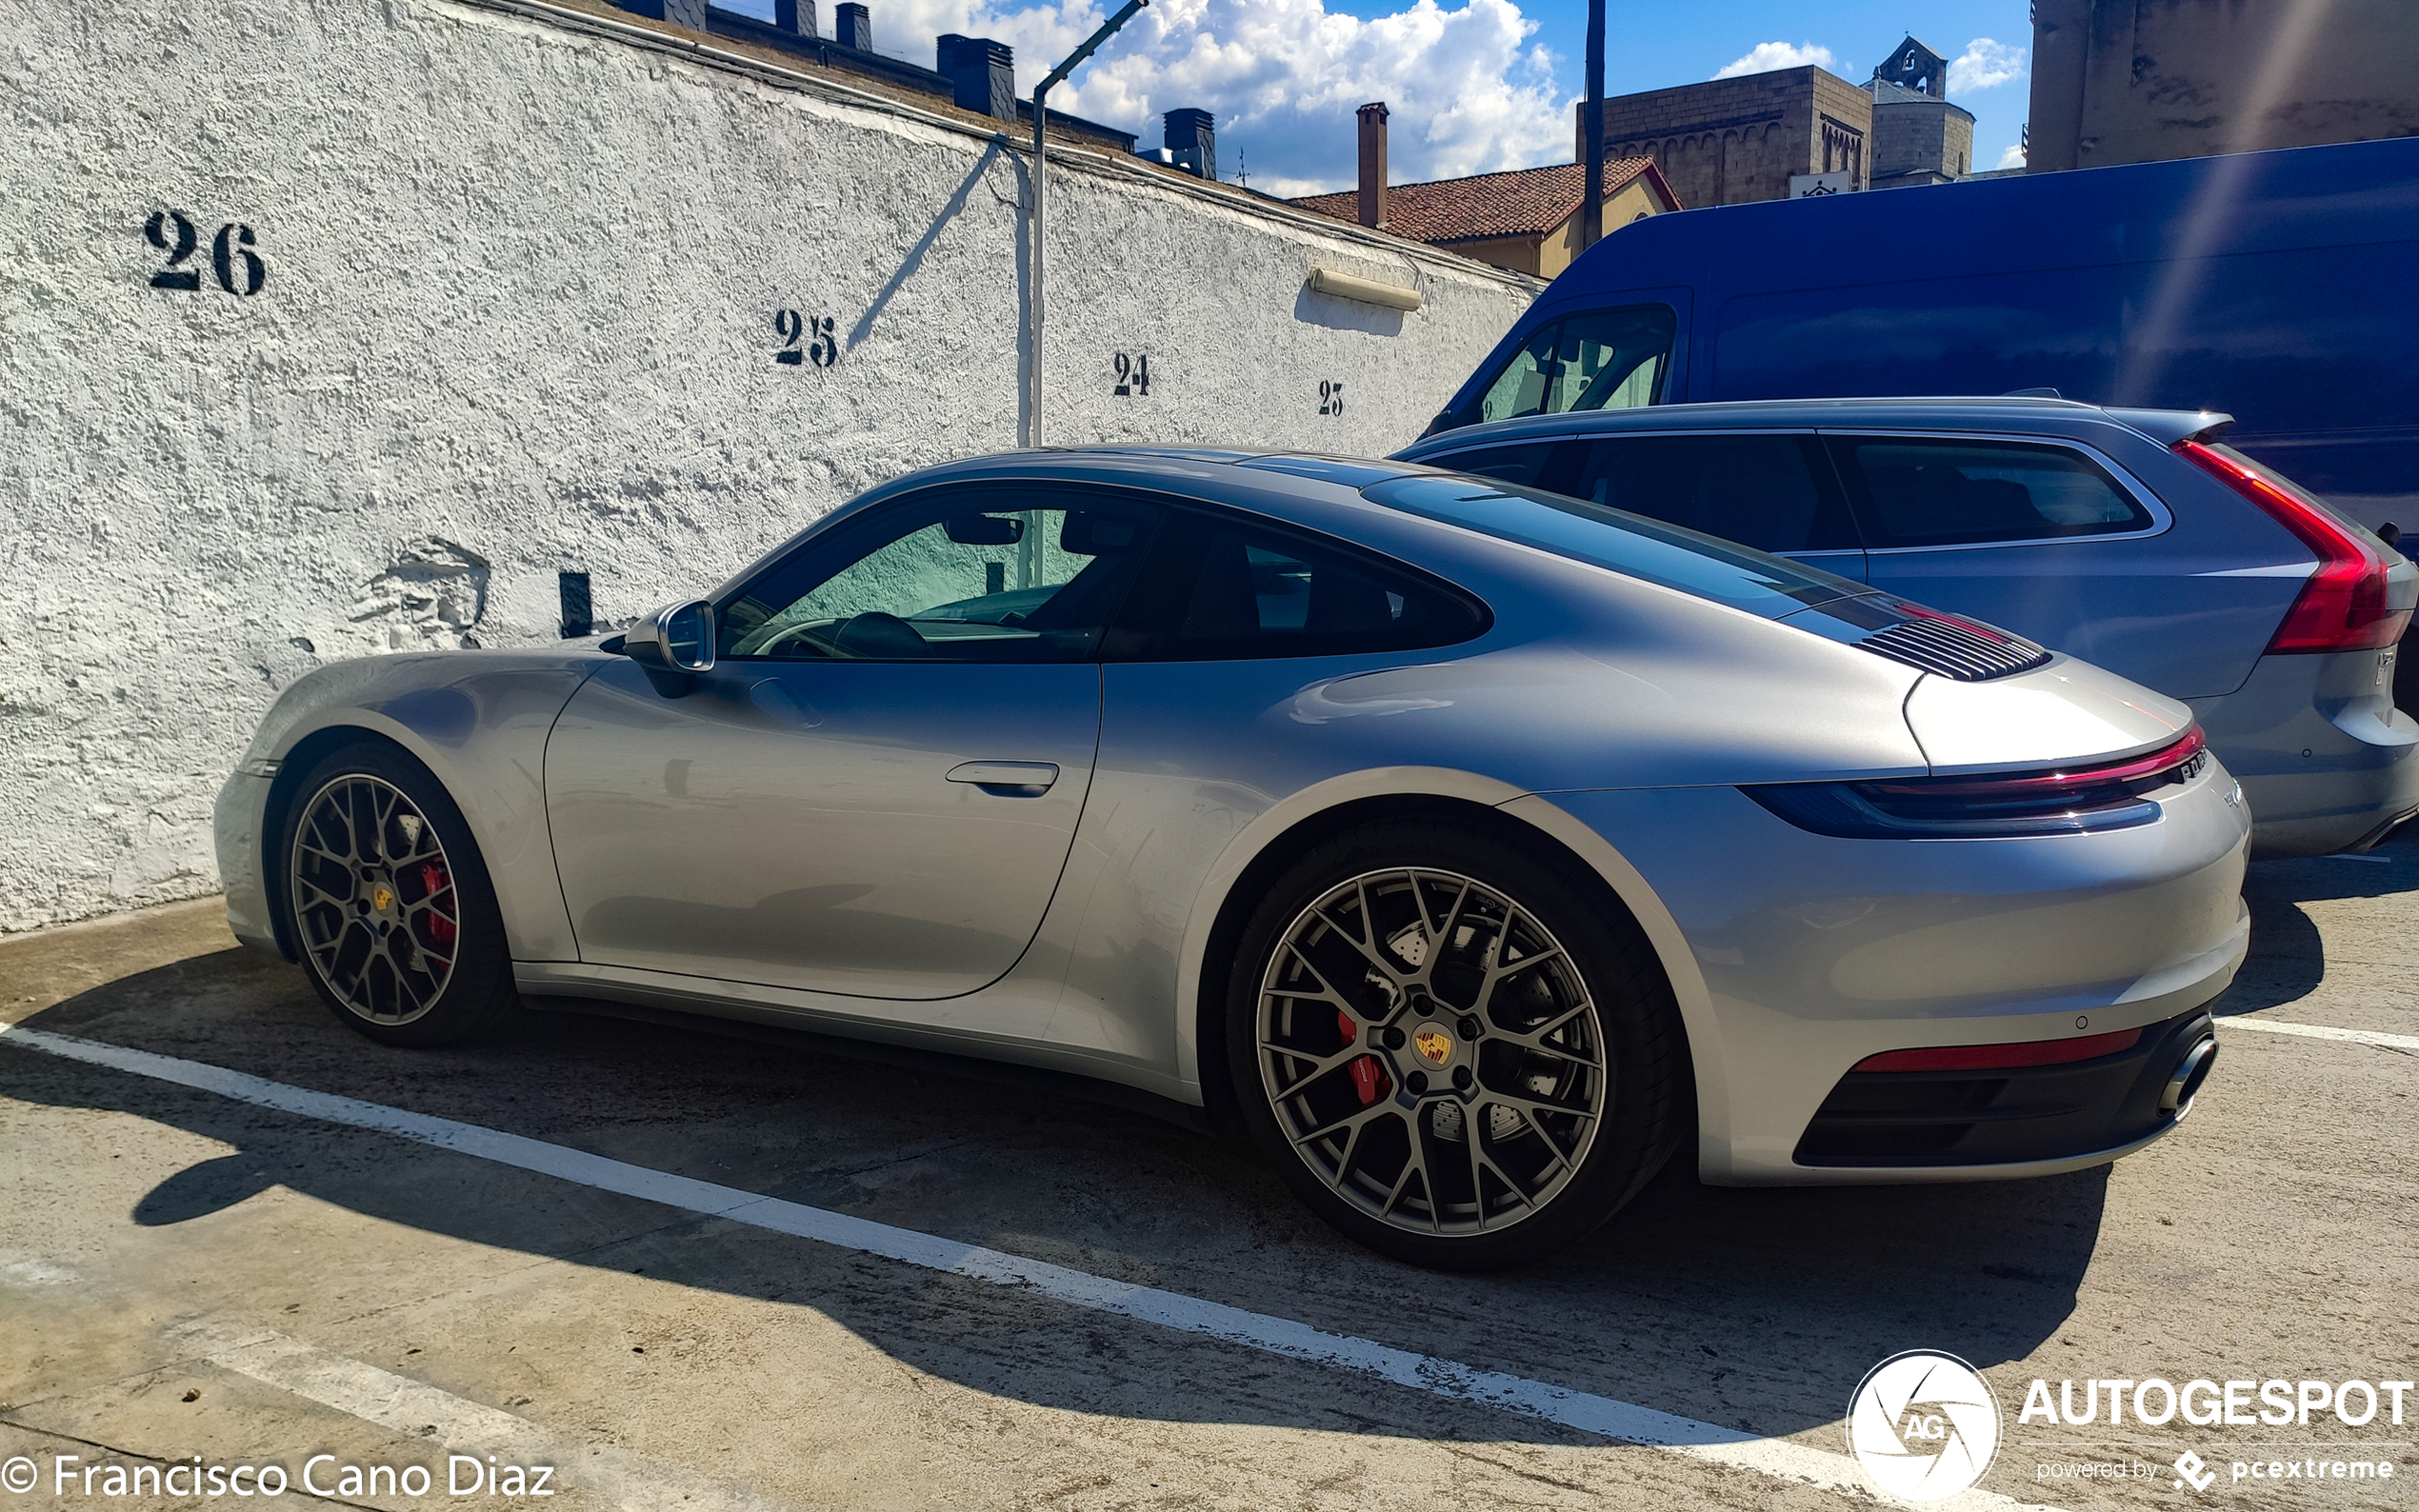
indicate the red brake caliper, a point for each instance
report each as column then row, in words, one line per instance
column 432, row 878
column 1369, row 1081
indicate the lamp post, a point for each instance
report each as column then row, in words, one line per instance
column 1041, row 177
column 1592, row 198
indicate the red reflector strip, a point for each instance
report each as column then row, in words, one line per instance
column 2000, row 1057
column 2166, row 757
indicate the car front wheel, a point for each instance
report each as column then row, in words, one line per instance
column 389, row 903
column 1456, row 1046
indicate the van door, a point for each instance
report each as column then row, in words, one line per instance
column 1620, row 352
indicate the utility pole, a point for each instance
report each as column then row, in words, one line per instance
column 1041, row 177
column 1591, row 199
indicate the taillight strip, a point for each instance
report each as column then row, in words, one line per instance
column 2342, row 605
column 2166, row 759
column 2001, row 1057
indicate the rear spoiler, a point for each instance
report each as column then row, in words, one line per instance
column 2172, row 427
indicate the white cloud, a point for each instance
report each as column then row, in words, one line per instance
column 1984, row 64
column 1766, row 56
column 1468, row 90
column 2013, row 157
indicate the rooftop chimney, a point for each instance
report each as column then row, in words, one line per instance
column 690, row 13
column 856, row 27
column 984, row 72
column 795, row 16
column 1373, row 165
column 1191, row 137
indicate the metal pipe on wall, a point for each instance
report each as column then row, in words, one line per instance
column 1041, row 177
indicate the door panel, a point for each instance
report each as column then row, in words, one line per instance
column 797, row 823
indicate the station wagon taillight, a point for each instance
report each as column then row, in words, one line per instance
column 2342, row 605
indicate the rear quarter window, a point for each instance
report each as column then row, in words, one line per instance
column 1917, row 492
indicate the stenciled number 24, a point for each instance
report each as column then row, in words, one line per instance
column 239, row 268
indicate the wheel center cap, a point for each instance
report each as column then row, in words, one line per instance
column 1432, row 1043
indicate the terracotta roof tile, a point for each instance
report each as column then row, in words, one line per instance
column 1524, row 202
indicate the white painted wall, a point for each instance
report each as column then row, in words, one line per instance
column 517, row 319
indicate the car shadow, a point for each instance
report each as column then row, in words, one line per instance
column 2289, row 960
column 1757, row 1309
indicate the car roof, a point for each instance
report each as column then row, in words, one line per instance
column 1932, row 412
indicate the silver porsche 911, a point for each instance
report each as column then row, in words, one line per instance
column 1472, row 848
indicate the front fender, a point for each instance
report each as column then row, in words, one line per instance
column 479, row 722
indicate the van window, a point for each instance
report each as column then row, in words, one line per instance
column 1603, row 359
column 1772, row 492
column 1914, row 491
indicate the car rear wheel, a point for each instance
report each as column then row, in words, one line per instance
column 389, row 903
column 1456, row 1048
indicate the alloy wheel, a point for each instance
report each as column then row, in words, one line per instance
column 374, row 900
column 1430, row 1052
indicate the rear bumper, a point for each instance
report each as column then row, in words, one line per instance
column 1795, row 956
column 2326, row 761
column 1940, row 1121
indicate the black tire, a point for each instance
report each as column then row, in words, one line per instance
column 1522, row 1077
column 375, row 957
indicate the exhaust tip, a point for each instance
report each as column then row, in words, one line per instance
column 2188, row 1075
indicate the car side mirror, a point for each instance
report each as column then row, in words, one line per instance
column 672, row 645
column 984, row 530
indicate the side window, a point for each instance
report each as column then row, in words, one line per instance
column 1614, row 359
column 1605, row 359
column 1530, row 463
column 963, row 578
column 1911, row 491
column 1520, row 388
column 1222, row 589
column 1772, row 492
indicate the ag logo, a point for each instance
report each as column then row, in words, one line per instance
column 1924, row 1427
column 1434, row 1045
column 382, row 897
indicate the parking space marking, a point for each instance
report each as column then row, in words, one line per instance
column 1581, row 1410
column 416, row 1409
column 2320, row 1031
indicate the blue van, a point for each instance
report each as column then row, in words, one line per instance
column 2281, row 288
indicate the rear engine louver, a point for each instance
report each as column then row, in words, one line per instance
column 1956, row 648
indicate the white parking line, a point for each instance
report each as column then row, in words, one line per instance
column 1585, row 1411
column 2319, row 1031
column 416, row 1409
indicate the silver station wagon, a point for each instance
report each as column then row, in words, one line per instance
column 2133, row 539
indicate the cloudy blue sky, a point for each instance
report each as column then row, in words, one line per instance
column 1474, row 85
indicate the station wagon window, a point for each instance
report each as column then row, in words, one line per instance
column 1915, row 491
column 963, row 578
column 1603, row 359
column 1772, row 492
column 1221, row 590
column 1627, row 544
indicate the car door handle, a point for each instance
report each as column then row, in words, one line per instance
column 1007, row 779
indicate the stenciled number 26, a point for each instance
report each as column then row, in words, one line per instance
column 239, row 268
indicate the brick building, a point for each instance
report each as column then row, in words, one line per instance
column 1734, row 141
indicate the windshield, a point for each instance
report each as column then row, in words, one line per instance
column 1616, row 541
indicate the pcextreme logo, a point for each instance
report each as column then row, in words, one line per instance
column 1924, row 1427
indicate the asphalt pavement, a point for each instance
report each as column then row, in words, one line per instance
column 220, row 1275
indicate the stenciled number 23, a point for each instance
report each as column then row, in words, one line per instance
column 239, row 268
